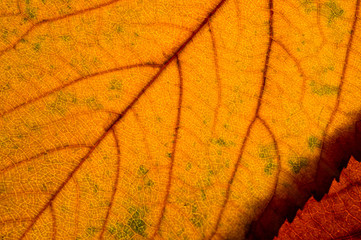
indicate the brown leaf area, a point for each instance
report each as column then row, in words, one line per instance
column 205, row 119
column 336, row 216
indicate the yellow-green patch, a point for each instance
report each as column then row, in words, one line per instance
column 221, row 142
column 115, row 84
column 197, row 218
column 36, row 47
column 65, row 38
column 323, row 89
column 4, row 86
column 268, row 153
column 62, row 102
column 30, row 11
column 309, row 6
column 314, row 142
column 203, row 195
column 332, row 11
column 136, row 222
column 93, row 103
column 120, row 231
column 297, row 163
column 91, row 231
column 270, row 167
column 91, row 183
column 142, row 170
column 189, row 166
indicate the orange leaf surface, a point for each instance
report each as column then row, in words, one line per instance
column 205, row 119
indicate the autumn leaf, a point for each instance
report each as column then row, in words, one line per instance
column 205, row 119
column 337, row 216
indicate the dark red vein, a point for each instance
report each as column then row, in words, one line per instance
column 77, row 205
column 152, row 65
column 299, row 68
column 342, row 78
column 174, row 148
column 53, row 216
column 25, row 193
column 218, row 79
column 13, row 45
column 279, row 167
column 356, row 234
column 146, row 142
column 168, row 61
column 124, row 112
column 255, row 117
column 16, row 220
column 115, row 187
column 10, row 15
column 319, row 14
column 268, row 54
column 70, row 176
column 7, row 168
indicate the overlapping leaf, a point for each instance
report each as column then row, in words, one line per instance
column 337, row 216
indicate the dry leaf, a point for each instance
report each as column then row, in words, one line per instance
column 337, row 216
column 172, row 119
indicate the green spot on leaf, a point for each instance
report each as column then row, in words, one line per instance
column 203, row 194
column 309, row 6
column 43, row 188
column 29, row 11
column 197, row 218
column 116, row 84
column 325, row 89
column 93, row 104
column 4, row 87
column 332, row 11
column 120, row 231
column 221, row 142
column 62, row 102
column 189, row 166
column 137, row 225
column 269, row 168
column 65, row 38
column 149, row 183
column 297, row 163
column 136, row 222
column 268, row 153
column 314, row 142
column 91, row 231
column 36, row 47
column 92, row 184
column 142, row 170
column 118, row 28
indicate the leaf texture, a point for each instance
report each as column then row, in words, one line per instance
column 168, row 119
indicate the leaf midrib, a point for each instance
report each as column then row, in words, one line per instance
column 123, row 113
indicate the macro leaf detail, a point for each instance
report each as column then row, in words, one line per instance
column 172, row 119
